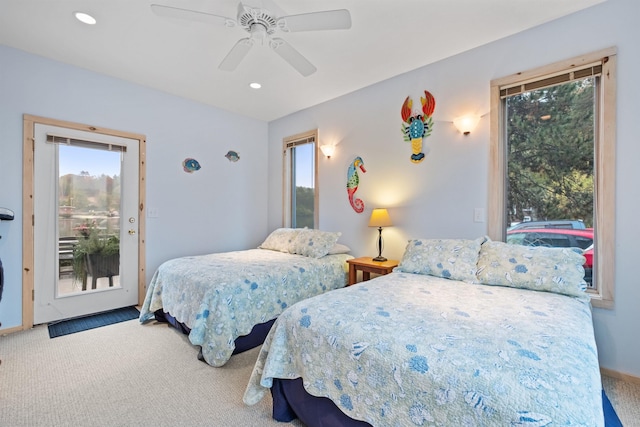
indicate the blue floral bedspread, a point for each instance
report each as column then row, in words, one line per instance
column 408, row 349
column 222, row 296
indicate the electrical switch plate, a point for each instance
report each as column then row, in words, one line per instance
column 153, row 213
column 478, row 215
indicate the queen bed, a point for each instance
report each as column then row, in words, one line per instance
column 226, row 302
column 463, row 332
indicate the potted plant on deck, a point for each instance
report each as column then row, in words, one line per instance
column 96, row 255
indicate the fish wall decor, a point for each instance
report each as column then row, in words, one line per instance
column 352, row 183
column 232, row 156
column 190, row 165
column 416, row 126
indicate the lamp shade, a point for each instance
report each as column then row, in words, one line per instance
column 379, row 218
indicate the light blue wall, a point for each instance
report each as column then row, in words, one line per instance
column 221, row 207
column 437, row 198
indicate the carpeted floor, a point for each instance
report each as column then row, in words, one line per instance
column 625, row 398
column 127, row 374
column 71, row 326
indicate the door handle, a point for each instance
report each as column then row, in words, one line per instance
column 132, row 232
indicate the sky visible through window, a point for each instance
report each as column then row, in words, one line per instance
column 304, row 165
column 74, row 160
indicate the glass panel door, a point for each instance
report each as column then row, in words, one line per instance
column 89, row 197
column 86, row 204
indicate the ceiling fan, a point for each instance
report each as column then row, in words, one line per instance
column 261, row 26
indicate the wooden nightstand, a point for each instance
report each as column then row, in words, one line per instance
column 367, row 265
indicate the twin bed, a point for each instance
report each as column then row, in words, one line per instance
column 226, row 302
column 463, row 332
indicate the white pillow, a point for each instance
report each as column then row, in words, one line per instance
column 281, row 239
column 339, row 248
column 314, row 243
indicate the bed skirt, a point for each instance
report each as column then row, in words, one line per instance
column 291, row 401
column 246, row 342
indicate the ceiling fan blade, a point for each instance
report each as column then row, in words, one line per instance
column 236, row 55
column 191, row 15
column 241, row 10
column 328, row 20
column 293, row 57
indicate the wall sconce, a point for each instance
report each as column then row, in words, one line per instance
column 328, row 150
column 466, row 124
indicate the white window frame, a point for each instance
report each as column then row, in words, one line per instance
column 309, row 137
column 604, row 170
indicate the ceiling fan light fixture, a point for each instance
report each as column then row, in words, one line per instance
column 259, row 32
column 85, row 18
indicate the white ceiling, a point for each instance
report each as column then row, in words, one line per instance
column 387, row 38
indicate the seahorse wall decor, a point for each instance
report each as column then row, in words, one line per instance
column 416, row 127
column 352, row 183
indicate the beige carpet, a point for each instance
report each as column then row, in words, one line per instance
column 129, row 374
column 125, row 374
column 625, row 398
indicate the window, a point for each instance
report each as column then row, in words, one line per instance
column 300, row 180
column 552, row 157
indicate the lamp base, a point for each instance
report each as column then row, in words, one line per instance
column 379, row 259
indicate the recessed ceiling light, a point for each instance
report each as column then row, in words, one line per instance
column 255, row 85
column 85, row 18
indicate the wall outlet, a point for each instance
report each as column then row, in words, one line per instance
column 153, row 213
column 478, row 215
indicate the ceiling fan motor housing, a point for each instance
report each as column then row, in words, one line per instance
column 258, row 22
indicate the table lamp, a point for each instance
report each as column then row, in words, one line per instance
column 379, row 218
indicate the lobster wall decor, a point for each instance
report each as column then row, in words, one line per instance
column 416, row 127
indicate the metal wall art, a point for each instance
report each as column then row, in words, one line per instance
column 190, row 165
column 416, row 126
column 232, row 156
column 352, row 183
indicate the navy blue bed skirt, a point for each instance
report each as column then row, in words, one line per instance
column 291, row 401
column 246, row 342
column 1, row 279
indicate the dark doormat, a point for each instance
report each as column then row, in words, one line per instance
column 66, row 327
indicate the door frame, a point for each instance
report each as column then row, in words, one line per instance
column 28, row 179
